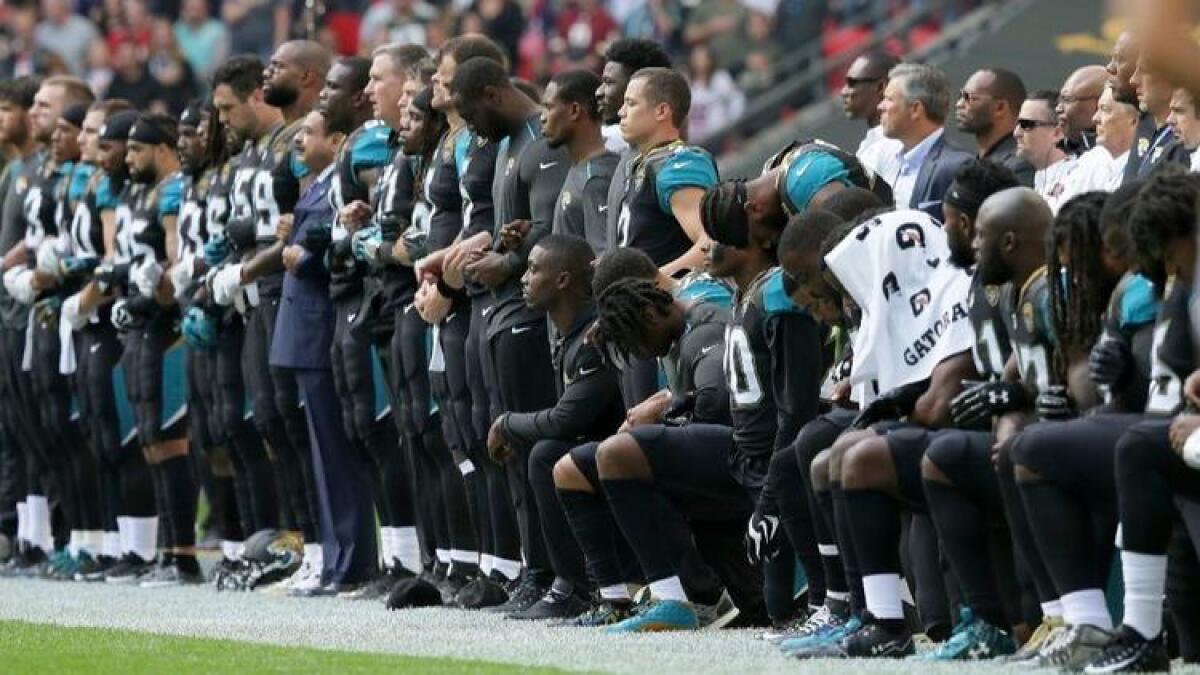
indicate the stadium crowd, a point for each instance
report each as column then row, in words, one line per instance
column 426, row 333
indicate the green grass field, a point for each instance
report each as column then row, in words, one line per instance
column 29, row 648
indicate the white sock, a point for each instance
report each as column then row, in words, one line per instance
column 22, row 521
column 408, row 549
column 93, row 542
column 143, row 537
column 41, row 534
column 112, row 545
column 442, row 555
column 1145, row 582
column 511, row 569
column 841, row 596
column 668, row 589
column 883, row 595
column 1086, row 607
column 616, row 592
column 487, row 562
column 828, row 550
column 74, row 543
column 1053, row 608
column 124, row 538
column 387, row 546
column 232, row 550
column 464, row 557
column 314, row 555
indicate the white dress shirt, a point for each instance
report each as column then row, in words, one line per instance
column 908, row 166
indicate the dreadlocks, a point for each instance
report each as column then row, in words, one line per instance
column 621, row 310
column 1079, row 290
column 1165, row 210
column 619, row 264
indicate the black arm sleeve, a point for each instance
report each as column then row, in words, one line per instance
column 477, row 182
column 592, row 392
column 795, row 343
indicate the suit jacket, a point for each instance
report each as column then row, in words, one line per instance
column 936, row 175
column 1152, row 147
column 304, row 324
column 1004, row 153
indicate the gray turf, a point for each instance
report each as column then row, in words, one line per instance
column 367, row 626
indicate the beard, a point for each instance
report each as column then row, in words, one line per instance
column 280, row 96
column 992, row 269
column 144, row 176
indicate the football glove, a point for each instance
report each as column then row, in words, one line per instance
column 891, row 405
column 199, row 329
column 109, row 275
column 77, row 267
column 216, row 250
column 1109, row 361
column 979, row 403
column 1054, row 403
column 146, row 277
column 366, row 242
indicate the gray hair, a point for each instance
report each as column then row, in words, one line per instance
column 926, row 85
column 406, row 58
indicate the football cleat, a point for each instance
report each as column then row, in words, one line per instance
column 601, row 613
column 876, row 639
column 165, row 576
column 827, row 623
column 555, row 604
column 128, row 570
column 1077, row 647
column 521, row 596
column 718, row 616
column 659, row 616
column 1048, row 631
column 1129, row 652
column 973, row 639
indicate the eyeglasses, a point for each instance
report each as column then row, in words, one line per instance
column 1067, row 99
column 853, row 82
column 972, row 98
column 1030, row 125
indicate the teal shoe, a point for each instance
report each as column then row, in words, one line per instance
column 973, row 639
column 659, row 615
column 821, row 642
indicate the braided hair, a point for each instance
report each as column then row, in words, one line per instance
column 1079, row 290
column 621, row 310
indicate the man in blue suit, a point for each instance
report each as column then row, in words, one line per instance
column 303, row 336
column 913, row 111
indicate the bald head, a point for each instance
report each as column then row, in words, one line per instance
column 1078, row 98
column 294, row 77
column 308, row 54
column 1010, row 235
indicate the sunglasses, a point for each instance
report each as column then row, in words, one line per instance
column 1030, row 125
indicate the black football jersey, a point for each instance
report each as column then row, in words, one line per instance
column 1172, row 355
column 991, row 349
column 1031, row 332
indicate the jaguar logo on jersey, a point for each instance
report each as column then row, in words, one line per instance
column 919, row 301
column 910, row 235
column 992, row 293
column 1027, row 316
column 890, row 285
column 923, row 345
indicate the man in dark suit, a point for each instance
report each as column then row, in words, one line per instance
column 913, row 111
column 303, row 337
